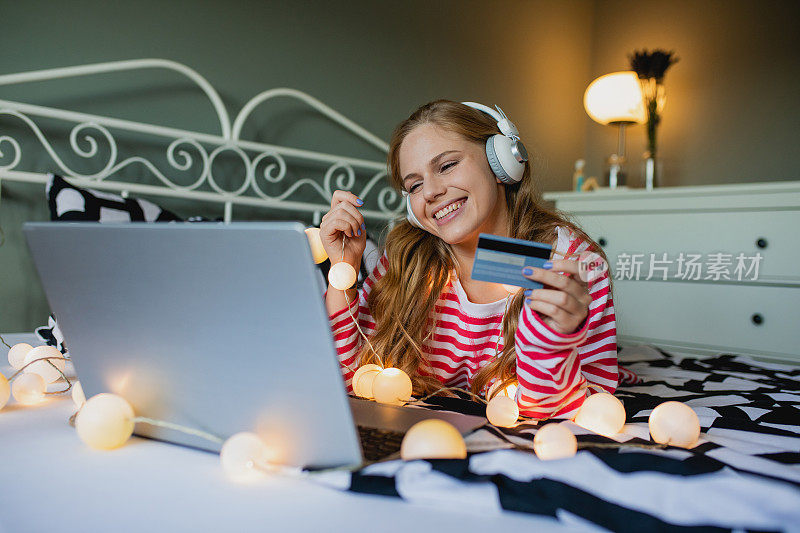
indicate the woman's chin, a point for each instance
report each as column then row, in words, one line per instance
column 457, row 232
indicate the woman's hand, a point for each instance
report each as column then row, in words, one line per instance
column 344, row 220
column 564, row 301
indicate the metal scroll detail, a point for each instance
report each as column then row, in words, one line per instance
column 266, row 175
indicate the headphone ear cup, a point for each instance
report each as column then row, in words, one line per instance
column 502, row 161
column 410, row 216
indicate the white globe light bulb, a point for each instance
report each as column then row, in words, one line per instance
column 28, row 389
column 17, row 353
column 105, row 422
column 510, row 390
column 433, row 439
column 554, row 441
column 392, row 386
column 502, row 411
column 363, row 379
column 674, row 423
column 342, row 276
column 315, row 242
column 243, row 456
column 45, row 368
column 78, row 398
column 5, row 391
column 602, row 413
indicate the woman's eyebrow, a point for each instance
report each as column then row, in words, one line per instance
column 432, row 163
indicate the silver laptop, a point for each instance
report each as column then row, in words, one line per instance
column 219, row 327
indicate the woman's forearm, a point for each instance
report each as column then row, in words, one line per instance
column 335, row 299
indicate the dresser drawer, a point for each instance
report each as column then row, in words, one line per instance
column 774, row 235
column 708, row 315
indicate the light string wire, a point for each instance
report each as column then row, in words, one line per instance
column 441, row 389
column 48, row 359
column 293, row 472
column 350, row 311
column 142, row 419
column 177, row 427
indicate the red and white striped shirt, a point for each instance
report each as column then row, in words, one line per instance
column 555, row 371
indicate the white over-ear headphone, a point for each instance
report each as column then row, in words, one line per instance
column 504, row 151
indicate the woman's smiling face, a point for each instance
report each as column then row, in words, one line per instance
column 452, row 190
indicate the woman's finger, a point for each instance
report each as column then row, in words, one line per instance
column 346, row 223
column 574, row 286
column 345, row 196
column 559, row 319
column 356, row 214
column 565, row 265
column 564, row 300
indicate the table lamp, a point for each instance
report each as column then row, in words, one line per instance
column 615, row 99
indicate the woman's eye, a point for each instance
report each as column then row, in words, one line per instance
column 449, row 165
column 413, row 187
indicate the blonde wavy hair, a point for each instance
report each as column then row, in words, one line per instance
column 402, row 301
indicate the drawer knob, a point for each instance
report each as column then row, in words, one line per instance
column 761, row 242
column 757, row 319
column 602, row 241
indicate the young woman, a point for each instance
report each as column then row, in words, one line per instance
column 420, row 307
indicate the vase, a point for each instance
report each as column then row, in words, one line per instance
column 654, row 99
column 652, row 172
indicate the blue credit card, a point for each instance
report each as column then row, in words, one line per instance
column 501, row 260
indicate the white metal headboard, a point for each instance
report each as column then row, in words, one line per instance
column 340, row 173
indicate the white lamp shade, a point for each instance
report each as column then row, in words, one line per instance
column 615, row 97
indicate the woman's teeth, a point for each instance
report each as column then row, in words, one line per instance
column 449, row 209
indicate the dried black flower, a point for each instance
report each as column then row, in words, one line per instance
column 652, row 64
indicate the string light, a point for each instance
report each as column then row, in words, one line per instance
column 602, row 413
column 342, row 276
column 5, row 391
column 433, row 439
column 363, row 379
column 243, row 456
column 28, row 389
column 502, row 411
column 315, row 242
column 674, row 423
column 554, row 441
column 78, row 398
column 51, row 368
column 510, row 390
column 392, row 386
column 105, row 422
column 17, row 353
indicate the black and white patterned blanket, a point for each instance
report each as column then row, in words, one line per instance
column 743, row 474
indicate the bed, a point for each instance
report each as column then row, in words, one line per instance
column 744, row 472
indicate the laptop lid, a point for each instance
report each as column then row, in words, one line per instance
column 219, row 327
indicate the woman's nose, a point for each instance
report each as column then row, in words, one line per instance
column 432, row 189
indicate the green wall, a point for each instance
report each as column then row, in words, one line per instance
column 728, row 117
column 731, row 114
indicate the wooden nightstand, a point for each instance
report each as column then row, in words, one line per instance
column 685, row 311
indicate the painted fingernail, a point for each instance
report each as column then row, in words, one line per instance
column 359, row 233
column 527, row 271
column 547, row 265
column 528, row 292
column 359, row 201
column 364, row 226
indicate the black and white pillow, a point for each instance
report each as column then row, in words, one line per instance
column 70, row 203
column 52, row 336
